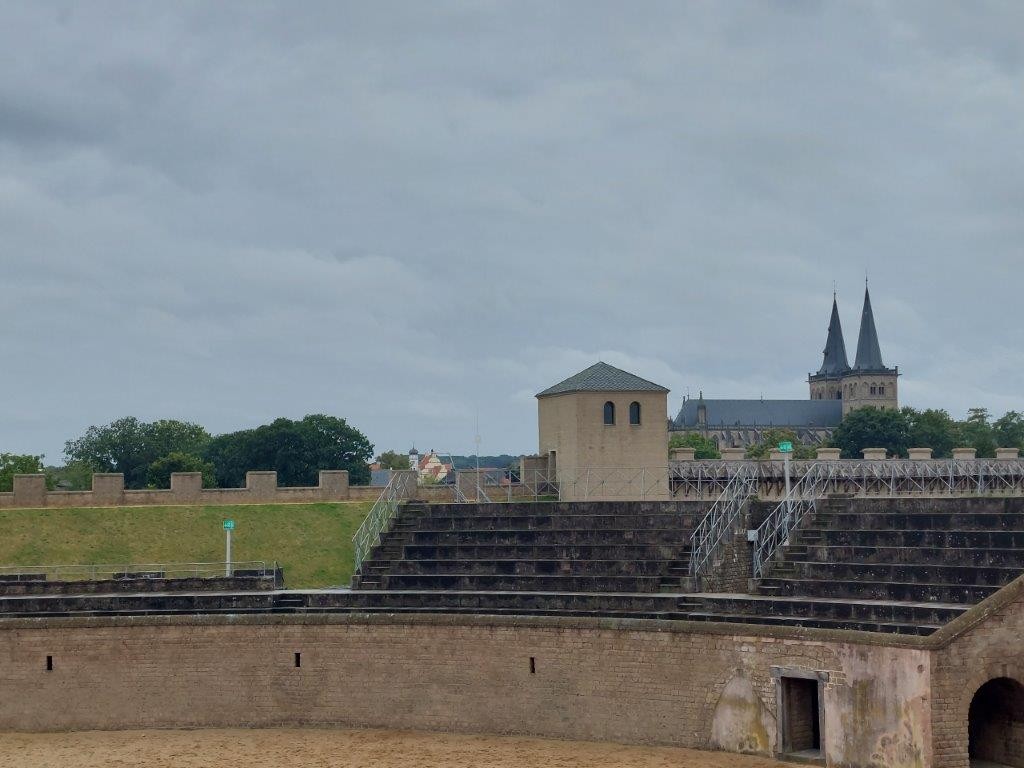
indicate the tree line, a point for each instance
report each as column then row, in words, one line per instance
column 148, row 452
column 895, row 430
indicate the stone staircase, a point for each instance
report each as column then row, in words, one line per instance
column 951, row 551
column 606, row 547
column 906, row 565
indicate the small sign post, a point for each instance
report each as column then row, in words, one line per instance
column 229, row 526
column 786, row 448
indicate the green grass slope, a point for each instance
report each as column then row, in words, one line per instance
column 312, row 542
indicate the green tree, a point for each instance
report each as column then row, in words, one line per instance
column 296, row 450
column 12, row 464
column 393, row 460
column 159, row 474
column 130, row 446
column 1009, row 430
column 73, row 476
column 770, row 440
column 932, row 428
column 704, row 447
column 976, row 432
column 872, row 428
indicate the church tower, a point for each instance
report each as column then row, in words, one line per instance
column 827, row 383
column 869, row 382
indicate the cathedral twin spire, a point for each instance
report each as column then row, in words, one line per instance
column 869, row 354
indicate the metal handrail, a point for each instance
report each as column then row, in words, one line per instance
column 709, row 537
column 383, row 511
column 123, row 571
column 802, row 499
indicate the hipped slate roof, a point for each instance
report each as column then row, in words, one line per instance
column 724, row 414
column 602, row 377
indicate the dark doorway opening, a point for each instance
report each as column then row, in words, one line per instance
column 995, row 724
column 801, row 713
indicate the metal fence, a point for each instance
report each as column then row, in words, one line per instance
column 125, row 571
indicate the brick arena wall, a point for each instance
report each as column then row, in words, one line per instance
column 625, row 681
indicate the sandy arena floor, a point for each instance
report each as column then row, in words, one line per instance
column 314, row 748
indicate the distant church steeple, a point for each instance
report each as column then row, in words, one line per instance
column 869, row 354
column 834, row 362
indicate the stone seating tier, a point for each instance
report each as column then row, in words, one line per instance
column 536, row 547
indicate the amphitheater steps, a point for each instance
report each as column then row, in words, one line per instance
column 589, row 547
column 529, row 583
column 865, row 611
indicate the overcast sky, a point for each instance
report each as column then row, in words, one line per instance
column 408, row 214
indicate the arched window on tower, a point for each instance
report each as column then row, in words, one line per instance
column 609, row 412
column 634, row 412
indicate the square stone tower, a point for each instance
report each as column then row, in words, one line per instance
column 605, row 433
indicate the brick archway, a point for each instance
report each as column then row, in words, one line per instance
column 995, row 723
column 951, row 711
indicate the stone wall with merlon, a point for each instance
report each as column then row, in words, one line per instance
column 186, row 488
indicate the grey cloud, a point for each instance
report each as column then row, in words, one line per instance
column 409, row 213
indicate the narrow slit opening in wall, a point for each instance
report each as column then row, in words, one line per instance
column 533, row 665
column 49, row 663
column 298, row 659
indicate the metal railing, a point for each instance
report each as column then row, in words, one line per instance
column 125, row 571
column 625, row 483
column 774, row 532
column 860, row 477
column 710, row 535
column 480, row 493
column 381, row 514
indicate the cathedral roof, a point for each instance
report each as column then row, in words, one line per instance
column 834, row 362
column 602, row 377
column 724, row 414
column 869, row 354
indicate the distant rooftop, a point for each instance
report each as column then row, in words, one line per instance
column 761, row 413
column 602, row 377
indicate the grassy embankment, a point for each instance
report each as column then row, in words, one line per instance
column 312, row 542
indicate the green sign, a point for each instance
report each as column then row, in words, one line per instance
column 229, row 525
column 786, row 447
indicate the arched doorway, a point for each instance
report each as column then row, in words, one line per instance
column 995, row 724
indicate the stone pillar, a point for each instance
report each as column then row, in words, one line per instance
column 733, row 454
column 683, row 454
column 965, row 453
column 828, row 454
column 873, row 454
column 186, row 487
column 1007, row 453
column 919, row 454
column 30, row 490
column 107, row 489
column 262, row 485
column 333, row 484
